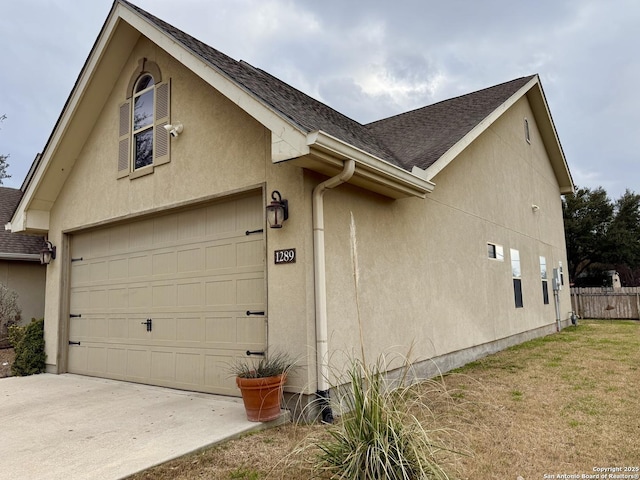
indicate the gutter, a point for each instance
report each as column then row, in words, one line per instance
column 320, row 290
column 28, row 257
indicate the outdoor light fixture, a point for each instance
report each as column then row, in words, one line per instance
column 535, row 208
column 277, row 210
column 174, row 130
column 48, row 253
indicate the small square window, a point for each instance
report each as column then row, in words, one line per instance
column 495, row 252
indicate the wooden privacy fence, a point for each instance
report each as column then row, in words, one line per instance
column 602, row 302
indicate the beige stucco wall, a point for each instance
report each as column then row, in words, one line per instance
column 426, row 286
column 27, row 279
column 222, row 150
column 425, row 282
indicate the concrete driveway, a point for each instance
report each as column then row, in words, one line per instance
column 76, row 427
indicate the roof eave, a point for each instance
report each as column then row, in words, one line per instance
column 288, row 138
column 25, row 257
column 533, row 90
column 327, row 154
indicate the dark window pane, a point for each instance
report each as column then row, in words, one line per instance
column 143, row 154
column 517, row 291
column 491, row 249
column 545, row 293
column 145, row 82
column 143, row 110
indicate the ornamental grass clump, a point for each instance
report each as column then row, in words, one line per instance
column 379, row 437
column 275, row 364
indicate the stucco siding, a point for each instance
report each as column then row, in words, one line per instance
column 222, row 150
column 426, row 284
column 27, row 279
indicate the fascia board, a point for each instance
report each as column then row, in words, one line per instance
column 28, row 257
column 540, row 107
column 376, row 169
column 289, row 139
column 541, row 111
column 476, row 131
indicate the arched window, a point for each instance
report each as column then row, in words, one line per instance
column 143, row 122
column 144, row 142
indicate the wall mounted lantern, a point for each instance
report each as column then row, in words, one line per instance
column 48, row 253
column 277, row 210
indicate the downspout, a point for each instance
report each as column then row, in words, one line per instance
column 322, row 346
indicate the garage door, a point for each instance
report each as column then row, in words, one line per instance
column 170, row 300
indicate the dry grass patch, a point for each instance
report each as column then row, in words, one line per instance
column 562, row 404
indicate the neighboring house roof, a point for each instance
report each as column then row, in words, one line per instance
column 398, row 156
column 15, row 246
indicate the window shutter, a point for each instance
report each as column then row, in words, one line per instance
column 124, row 143
column 161, row 144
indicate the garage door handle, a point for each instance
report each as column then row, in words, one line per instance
column 249, row 312
column 148, row 323
column 249, row 353
column 73, row 343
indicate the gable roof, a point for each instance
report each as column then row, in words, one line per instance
column 420, row 137
column 304, row 130
column 307, row 113
column 15, row 246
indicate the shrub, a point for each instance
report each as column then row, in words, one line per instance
column 9, row 312
column 379, row 437
column 28, row 343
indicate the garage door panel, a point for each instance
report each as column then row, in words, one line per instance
column 163, row 365
column 140, row 265
column 100, row 243
column 118, row 328
column 191, row 224
column 190, row 259
column 164, row 262
column 96, row 359
column 138, row 364
column 190, row 294
column 141, row 234
column 80, row 273
column 98, row 271
column 118, row 268
column 77, row 358
column 140, row 296
column 195, row 273
column 116, row 363
column 189, row 368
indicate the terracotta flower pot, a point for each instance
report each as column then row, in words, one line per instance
column 261, row 397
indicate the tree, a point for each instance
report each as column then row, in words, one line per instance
column 602, row 235
column 3, row 160
column 587, row 216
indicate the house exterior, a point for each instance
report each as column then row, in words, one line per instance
column 20, row 268
column 167, row 269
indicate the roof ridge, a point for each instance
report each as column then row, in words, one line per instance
column 476, row 92
column 298, row 107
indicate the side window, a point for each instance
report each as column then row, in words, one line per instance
column 545, row 282
column 495, row 252
column 516, row 273
column 527, row 135
column 143, row 140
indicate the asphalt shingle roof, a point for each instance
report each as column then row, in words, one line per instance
column 420, row 137
column 15, row 243
column 416, row 138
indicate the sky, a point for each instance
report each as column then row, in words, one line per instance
column 368, row 59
